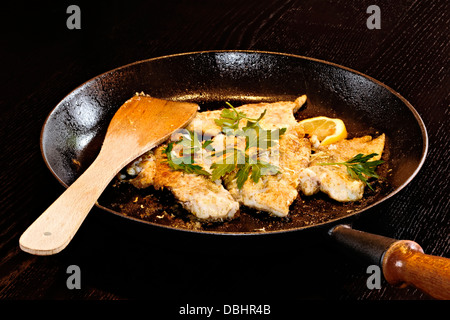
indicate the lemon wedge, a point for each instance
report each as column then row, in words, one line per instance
column 327, row 130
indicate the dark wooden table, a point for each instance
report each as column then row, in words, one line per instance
column 42, row 61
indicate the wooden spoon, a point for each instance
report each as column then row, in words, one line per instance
column 139, row 125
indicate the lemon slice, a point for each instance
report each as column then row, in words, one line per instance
column 327, row 130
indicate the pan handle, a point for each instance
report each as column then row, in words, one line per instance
column 403, row 262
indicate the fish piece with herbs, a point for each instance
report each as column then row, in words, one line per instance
column 341, row 170
column 258, row 156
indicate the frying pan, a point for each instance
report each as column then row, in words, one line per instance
column 73, row 132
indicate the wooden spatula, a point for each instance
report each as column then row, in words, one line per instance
column 139, row 125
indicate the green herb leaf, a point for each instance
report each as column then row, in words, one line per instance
column 231, row 159
column 359, row 167
column 184, row 162
column 219, row 170
column 256, row 173
column 256, row 138
column 231, row 117
column 206, row 145
column 254, row 123
column 269, row 138
column 242, row 174
column 268, row 168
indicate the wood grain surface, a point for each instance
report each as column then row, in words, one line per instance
column 42, row 61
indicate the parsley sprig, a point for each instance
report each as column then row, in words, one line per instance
column 244, row 161
column 245, row 164
column 230, row 119
column 185, row 162
column 359, row 167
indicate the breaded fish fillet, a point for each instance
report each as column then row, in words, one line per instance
column 272, row 193
column 198, row 194
column 334, row 180
column 208, row 199
column 278, row 115
column 275, row 193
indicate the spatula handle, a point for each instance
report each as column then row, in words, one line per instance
column 52, row 231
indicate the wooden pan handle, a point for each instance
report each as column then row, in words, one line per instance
column 404, row 263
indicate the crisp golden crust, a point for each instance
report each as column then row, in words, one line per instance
column 164, row 175
column 278, row 115
column 199, row 195
column 345, row 149
column 334, row 180
column 298, row 158
column 147, row 167
column 275, row 193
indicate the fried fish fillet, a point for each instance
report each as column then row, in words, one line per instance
column 272, row 193
column 198, row 194
column 278, row 115
column 300, row 169
column 334, row 180
column 275, row 193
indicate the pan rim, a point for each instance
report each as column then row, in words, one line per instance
column 328, row 223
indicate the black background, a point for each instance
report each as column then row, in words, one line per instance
column 42, row 61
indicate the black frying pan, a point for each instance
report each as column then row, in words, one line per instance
column 73, row 132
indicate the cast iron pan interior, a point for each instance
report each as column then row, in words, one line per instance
column 74, row 131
